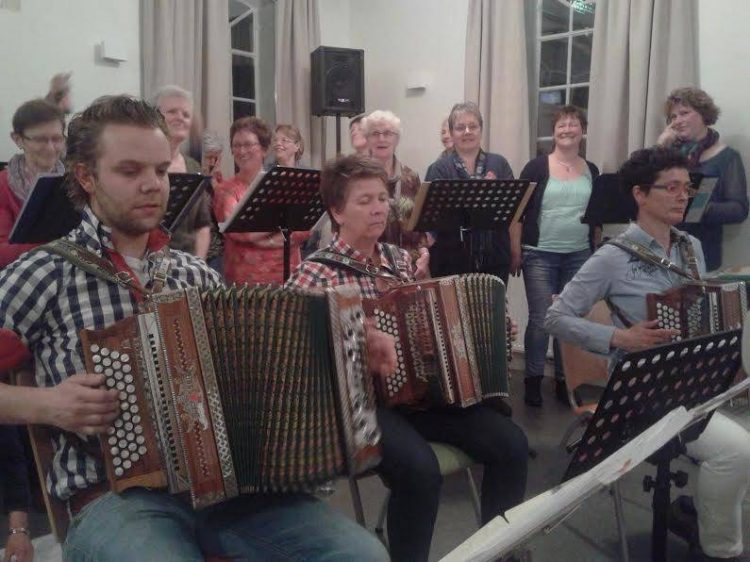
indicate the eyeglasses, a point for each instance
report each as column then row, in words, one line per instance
column 244, row 145
column 471, row 127
column 675, row 187
column 383, row 134
column 283, row 140
column 57, row 140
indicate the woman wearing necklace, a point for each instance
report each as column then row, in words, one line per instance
column 552, row 244
column 490, row 248
column 690, row 112
column 355, row 191
column 38, row 128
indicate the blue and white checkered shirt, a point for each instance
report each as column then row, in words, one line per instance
column 47, row 301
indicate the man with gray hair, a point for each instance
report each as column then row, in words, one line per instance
column 176, row 105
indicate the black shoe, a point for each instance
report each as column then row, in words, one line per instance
column 683, row 520
column 561, row 392
column 533, row 396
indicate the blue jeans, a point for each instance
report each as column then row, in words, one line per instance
column 146, row 525
column 545, row 274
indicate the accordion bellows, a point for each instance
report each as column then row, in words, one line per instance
column 241, row 390
column 699, row 308
column 451, row 341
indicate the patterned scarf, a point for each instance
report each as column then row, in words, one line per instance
column 21, row 184
column 478, row 166
column 694, row 149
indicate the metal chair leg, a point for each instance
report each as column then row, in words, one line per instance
column 359, row 513
column 620, row 518
column 381, row 516
column 474, row 496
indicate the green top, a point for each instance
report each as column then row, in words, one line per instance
column 563, row 205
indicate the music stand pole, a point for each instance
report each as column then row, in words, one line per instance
column 661, row 485
column 285, row 232
column 338, row 133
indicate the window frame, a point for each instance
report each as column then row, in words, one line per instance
column 569, row 35
column 254, row 55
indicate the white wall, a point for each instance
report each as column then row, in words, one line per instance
column 49, row 36
column 400, row 38
column 725, row 75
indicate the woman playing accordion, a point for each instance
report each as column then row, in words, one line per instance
column 354, row 189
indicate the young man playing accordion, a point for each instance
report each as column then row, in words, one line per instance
column 118, row 154
column 658, row 181
column 354, row 190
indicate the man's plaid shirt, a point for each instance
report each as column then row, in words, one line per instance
column 47, row 301
column 310, row 274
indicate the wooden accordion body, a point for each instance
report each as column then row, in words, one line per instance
column 451, row 341
column 699, row 308
column 235, row 391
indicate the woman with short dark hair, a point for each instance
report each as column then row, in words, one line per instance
column 552, row 244
column 690, row 114
column 38, row 130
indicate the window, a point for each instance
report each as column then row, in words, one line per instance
column 251, row 24
column 565, row 33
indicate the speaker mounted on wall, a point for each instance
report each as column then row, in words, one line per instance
column 337, row 81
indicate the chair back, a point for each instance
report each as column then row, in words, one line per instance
column 581, row 366
column 41, row 445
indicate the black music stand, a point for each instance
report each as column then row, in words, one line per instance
column 643, row 388
column 185, row 191
column 279, row 200
column 47, row 214
column 467, row 204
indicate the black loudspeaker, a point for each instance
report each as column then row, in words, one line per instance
column 337, row 81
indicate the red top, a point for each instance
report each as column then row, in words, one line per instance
column 252, row 257
column 10, row 208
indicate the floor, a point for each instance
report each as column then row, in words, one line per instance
column 589, row 534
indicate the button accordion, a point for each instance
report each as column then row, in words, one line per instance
column 235, row 391
column 452, row 341
column 699, row 308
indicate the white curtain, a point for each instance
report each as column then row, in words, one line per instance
column 297, row 35
column 497, row 76
column 642, row 49
column 187, row 43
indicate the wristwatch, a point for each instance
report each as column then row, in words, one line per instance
column 18, row 531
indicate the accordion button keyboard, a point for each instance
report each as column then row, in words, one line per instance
column 126, row 368
column 98, row 369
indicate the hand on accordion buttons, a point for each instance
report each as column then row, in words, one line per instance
column 381, row 349
column 12, row 350
column 78, row 404
column 642, row 335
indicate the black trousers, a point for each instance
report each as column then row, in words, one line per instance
column 409, row 468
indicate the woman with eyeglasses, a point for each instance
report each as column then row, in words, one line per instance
column 552, row 244
column 690, row 114
column 38, row 130
column 382, row 129
column 288, row 146
column 490, row 248
column 250, row 257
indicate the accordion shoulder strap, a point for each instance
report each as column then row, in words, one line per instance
column 337, row 260
column 91, row 263
column 643, row 253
